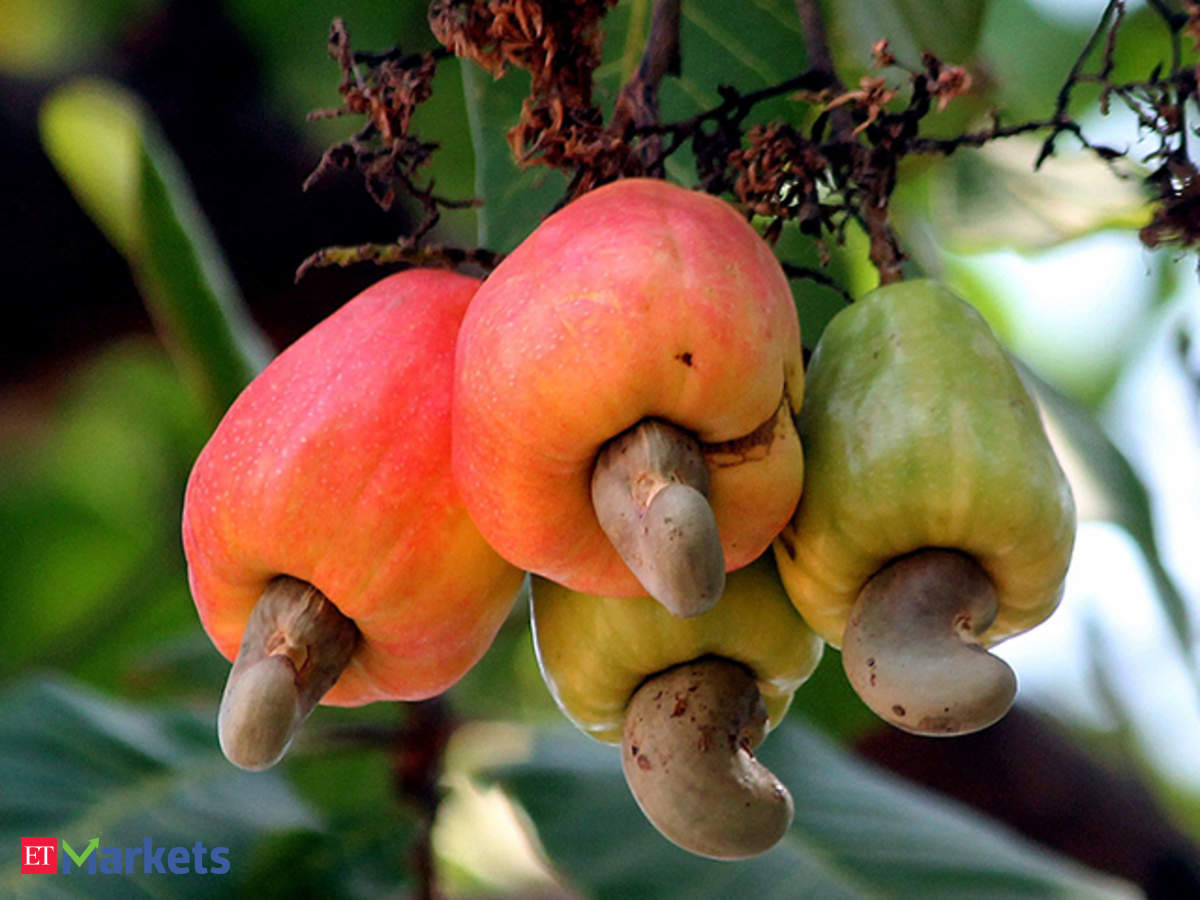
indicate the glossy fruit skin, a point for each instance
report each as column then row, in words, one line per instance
column 639, row 300
column 919, row 433
column 332, row 467
column 594, row 652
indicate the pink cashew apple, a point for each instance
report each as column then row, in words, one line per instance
column 326, row 491
column 624, row 392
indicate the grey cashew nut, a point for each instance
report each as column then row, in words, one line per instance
column 650, row 493
column 687, row 751
column 293, row 650
column 911, row 647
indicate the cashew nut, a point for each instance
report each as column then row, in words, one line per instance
column 295, row 646
column 687, row 754
column 650, row 493
column 911, row 648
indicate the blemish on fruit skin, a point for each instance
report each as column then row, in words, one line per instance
column 685, row 358
column 899, row 710
column 751, row 447
column 644, row 763
column 939, row 725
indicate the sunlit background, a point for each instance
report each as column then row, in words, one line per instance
column 99, row 422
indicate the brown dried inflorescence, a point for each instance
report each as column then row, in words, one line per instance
column 558, row 42
column 777, row 173
column 1177, row 216
column 387, row 93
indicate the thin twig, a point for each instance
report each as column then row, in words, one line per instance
column 406, row 251
column 637, row 104
column 820, row 59
column 1060, row 118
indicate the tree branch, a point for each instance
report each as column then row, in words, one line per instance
column 637, row 104
column 416, row 769
column 1060, row 118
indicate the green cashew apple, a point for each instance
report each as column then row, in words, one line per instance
column 688, row 699
column 328, row 549
column 624, row 391
column 936, row 520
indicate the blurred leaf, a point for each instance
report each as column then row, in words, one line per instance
column 365, row 861
column 119, row 167
column 993, row 198
column 1107, row 488
column 77, row 766
column 290, row 39
column 857, row 832
column 507, row 683
column 1026, row 56
column 41, row 37
column 90, row 509
column 950, row 31
column 364, row 849
column 830, row 703
column 515, row 200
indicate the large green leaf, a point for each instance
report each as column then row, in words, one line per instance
column 857, row 833
column 119, row 167
column 951, row 31
column 76, row 766
column 514, row 199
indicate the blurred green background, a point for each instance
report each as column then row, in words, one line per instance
column 150, row 179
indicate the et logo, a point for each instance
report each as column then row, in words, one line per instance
column 39, row 855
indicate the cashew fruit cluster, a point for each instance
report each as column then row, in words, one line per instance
column 618, row 410
column 935, row 520
column 328, row 549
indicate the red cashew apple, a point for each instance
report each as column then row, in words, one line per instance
column 326, row 491
column 634, row 363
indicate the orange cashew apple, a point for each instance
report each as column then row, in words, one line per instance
column 624, row 389
column 322, row 528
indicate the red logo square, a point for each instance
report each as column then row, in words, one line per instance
column 39, row 855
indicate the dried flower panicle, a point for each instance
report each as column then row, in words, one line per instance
column 558, row 42
column 777, row 173
column 384, row 151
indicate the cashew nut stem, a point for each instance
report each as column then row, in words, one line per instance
column 686, row 751
column 295, row 646
column 911, row 646
column 650, row 493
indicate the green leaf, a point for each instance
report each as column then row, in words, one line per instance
column 515, row 200
column 1107, row 488
column 950, row 31
column 76, row 766
column 759, row 46
column 857, row 833
column 121, row 170
column 1027, row 56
